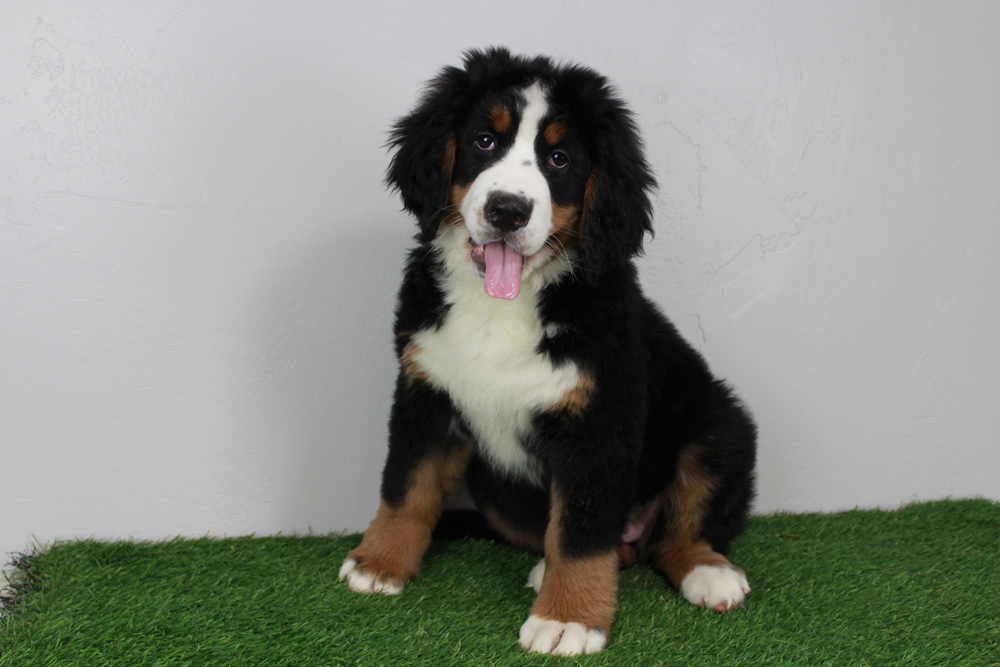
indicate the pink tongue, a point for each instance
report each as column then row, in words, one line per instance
column 503, row 271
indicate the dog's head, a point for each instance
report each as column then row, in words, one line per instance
column 534, row 159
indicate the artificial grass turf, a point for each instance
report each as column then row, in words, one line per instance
column 918, row 586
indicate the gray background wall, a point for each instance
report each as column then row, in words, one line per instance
column 198, row 260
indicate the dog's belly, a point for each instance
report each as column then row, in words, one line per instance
column 485, row 357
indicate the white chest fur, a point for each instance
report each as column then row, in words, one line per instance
column 484, row 355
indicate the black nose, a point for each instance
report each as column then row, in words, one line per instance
column 507, row 212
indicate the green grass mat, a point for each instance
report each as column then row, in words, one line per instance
column 919, row 586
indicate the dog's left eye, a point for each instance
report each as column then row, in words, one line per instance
column 485, row 142
column 558, row 159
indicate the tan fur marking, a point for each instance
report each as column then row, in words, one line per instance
column 500, row 118
column 408, row 363
column 566, row 220
column 588, row 196
column 555, row 132
column 626, row 556
column 564, row 217
column 449, row 156
column 457, row 195
column 576, row 590
column 677, row 561
column 398, row 536
column 590, row 188
column 521, row 539
column 687, row 497
column 566, row 227
column 576, row 400
column 686, row 501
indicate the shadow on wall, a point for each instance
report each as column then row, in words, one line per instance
column 325, row 374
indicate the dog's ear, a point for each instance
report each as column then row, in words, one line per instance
column 424, row 145
column 617, row 211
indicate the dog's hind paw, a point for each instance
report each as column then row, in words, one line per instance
column 540, row 635
column 719, row 588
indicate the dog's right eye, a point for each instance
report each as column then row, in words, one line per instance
column 485, row 142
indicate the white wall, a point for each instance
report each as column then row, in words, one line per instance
column 198, row 261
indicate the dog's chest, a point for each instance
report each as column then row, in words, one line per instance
column 485, row 356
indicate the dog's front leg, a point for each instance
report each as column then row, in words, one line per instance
column 576, row 602
column 422, row 466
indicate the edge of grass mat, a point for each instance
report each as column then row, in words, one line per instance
column 914, row 586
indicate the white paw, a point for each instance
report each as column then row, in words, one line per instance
column 539, row 635
column 536, row 575
column 365, row 582
column 716, row 587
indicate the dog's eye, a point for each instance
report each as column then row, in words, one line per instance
column 485, row 142
column 558, row 159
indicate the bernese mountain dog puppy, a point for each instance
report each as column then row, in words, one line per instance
column 530, row 362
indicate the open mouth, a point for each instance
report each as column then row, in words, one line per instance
column 501, row 266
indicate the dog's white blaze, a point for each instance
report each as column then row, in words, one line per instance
column 516, row 173
column 484, row 355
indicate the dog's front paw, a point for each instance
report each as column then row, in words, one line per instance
column 719, row 588
column 362, row 577
column 540, row 635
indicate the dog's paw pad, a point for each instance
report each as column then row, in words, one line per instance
column 536, row 575
column 540, row 635
column 716, row 587
column 361, row 580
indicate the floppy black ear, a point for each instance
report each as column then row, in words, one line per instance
column 425, row 150
column 617, row 210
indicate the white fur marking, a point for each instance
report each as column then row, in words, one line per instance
column 517, row 173
column 484, row 355
column 540, row 635
column 536, row 575
column 364, row 582
column 712, row 586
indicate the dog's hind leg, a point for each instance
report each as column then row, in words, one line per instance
column 683, row 553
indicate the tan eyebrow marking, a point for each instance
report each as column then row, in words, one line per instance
column 555, row 132
column 500, row 117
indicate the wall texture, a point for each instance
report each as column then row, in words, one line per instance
column 198, row 261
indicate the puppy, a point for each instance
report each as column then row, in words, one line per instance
column 531, row 362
